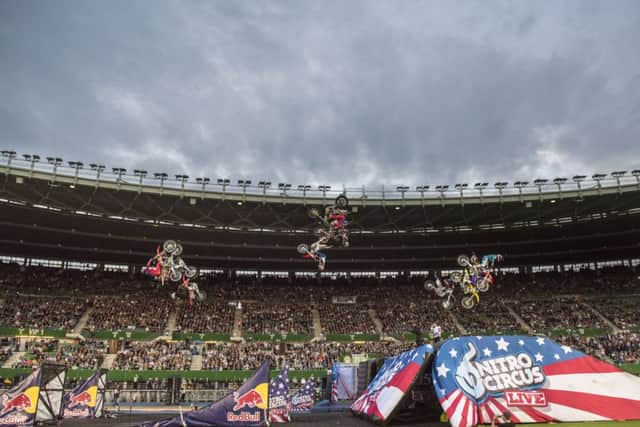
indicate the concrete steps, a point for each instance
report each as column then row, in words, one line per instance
column 236, row 332
column 608, row 322
column 82, row 322
column 524, row 325
column 317, row 324
column 196, row 363
column 376, row 321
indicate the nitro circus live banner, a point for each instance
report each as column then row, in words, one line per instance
column 392, row 382
column 82, row 401
column 19, row 404
column 245, row 407
column 535, row 378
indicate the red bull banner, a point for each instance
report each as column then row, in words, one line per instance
column 245, row 407
column 19, row 404
column 87, row 399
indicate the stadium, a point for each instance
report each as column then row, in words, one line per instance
column 342, row 213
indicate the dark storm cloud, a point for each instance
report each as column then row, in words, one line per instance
column 326, row 92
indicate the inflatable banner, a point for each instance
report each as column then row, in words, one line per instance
column 18, row 405
column 304, row 400
column 534, row 378
column 245, row 407
column 279, row 402
column 391, row 384
column 87, row 399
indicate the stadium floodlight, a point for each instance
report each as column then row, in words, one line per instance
column 441, row 189
column 224, row 182
column 244, row 183
column 203, row 181
column 32, row 159
column 9, row 155
column 578, row 179
column 264, row 185
column 500, row 186
column 520, row 185
column 98, row 168
column 140, row 173
column 162, row 176
column 617, row 175
column 422, row 189
column 597, row 178
column 77, row 166
column 283, row 187
column 539, row 182
column 304, row 188
column 182, row 178
column 402, row 189
column 558, row 182
column 324, row 189
column 55, row 162
column 461, row 187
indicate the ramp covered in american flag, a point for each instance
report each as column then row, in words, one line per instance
column 392, row 384
column 534, row 378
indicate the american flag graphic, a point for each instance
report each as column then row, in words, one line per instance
column 534, row 378
column 305, row 398
column 391, row 383
column 279, row 402
column 335, row 374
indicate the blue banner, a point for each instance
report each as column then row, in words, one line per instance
column 86, row 400
column 245, row 407
column 18, row 405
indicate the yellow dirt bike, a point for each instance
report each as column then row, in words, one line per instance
column 464, row 280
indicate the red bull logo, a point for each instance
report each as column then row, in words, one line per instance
column 250, row 399
column 20, row 402
column 83, row 399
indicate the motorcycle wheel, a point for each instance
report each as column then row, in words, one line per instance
column 482, row 285
column 467, row 302
column 463, row 261
column 191, row 272
column 178, row 250
column 428, row 285
column 440, row 291
column 447, row 304
column 303, row 248
column 175, row 276
column 342, row 202
column 169, row 246
column 313, row 213
column 318, row 231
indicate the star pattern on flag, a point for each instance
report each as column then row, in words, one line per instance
column 453, row 353
column 566, row 349
column 556, row 356
column 521, row 343
column 540, row 341
column 487, row 352
column 442, row 370
column 539, row 357
column 502, row 344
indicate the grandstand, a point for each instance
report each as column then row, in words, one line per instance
column 73, row 241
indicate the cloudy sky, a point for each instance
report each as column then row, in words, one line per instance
column 339, row 92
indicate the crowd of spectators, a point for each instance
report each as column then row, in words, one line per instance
column 158, row 355
column 491, row 316
column 40, row 312
column 277, row 317
column 621, row 310
column 211, row 315
column 545, row 315
column 136, row 312
column 622, row 347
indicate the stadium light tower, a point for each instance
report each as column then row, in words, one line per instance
column 77, row 166
column 578, row 179
column 98, row 168
column 636, row 173
column 480, row 186
column 182, row 178
column 461, row 187
column 119, row 172
column 264, row 185
column 33, row 159
column 140, row 173
column 244, row 183
column 402, row 189
column 224, row 182
column 539, row 183
column 283, row 187
column 441, row 189
column 559, row 182
column 162, row 176
column 324, row 189
column 500, row 186
column 617, row 175
column 9, row 155
column 203, row 181
column 55, row 161
column 520, row 185
column 597, row 178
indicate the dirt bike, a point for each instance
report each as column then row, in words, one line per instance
column 443, row 289
column 479, row 275
column 469, row 289
column 303, row 249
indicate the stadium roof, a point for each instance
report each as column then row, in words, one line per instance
column 49, row 213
